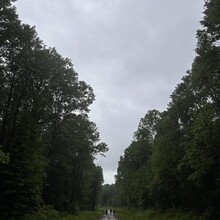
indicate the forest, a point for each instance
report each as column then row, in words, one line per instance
column 173, row 161
column 48, row 143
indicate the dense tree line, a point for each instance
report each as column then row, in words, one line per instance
column 108, row 197
column 174, row 158
column 47, row 142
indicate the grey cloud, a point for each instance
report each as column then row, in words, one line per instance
column 133, row 53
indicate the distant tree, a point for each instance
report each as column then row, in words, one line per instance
column 96, row 186
column 108, row 196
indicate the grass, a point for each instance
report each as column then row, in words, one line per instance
column 121, row 214
column 50, row 214
column 152, row 214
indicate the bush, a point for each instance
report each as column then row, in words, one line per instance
column 48, row 213
column 153, row 214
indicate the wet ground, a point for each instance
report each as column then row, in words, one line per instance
column 108, row 217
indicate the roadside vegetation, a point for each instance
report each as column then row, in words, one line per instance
column 50, row 214
column 153, row 214
column 121, row 214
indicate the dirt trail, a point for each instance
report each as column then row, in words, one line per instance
column 108, row 217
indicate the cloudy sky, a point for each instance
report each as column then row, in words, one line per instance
column 132, row 52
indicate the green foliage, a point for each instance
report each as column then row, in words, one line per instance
column 134, row 167
column 44, row 125
column 180, row 166
column 4, row 158
column 71, row 165
column 108, row 196
column 156, row 215
column 47, row 213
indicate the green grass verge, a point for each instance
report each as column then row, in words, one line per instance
column 152, row 214
column 50, row 214
column 122, row 214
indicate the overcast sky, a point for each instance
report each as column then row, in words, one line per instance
column 132, row 52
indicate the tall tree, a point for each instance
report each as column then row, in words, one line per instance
column 133, row 168
column 40, row 96
column 74, row 148
column 184, row 165
column 202, row 145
